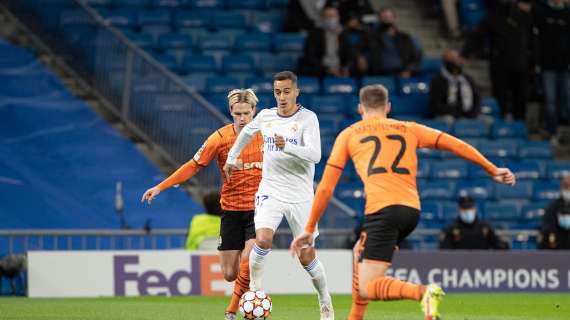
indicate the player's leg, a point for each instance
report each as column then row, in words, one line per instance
column 268, row 216
column 231, row 244
column 241, row 285
column 359, row 304
column 297, row 217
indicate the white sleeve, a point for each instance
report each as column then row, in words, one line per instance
column 311, row 150
column 243, row 138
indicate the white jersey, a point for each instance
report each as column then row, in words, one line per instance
column 288, row 173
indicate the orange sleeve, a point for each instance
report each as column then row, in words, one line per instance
column 201, row 159
column 435, row 139
column 333, row 170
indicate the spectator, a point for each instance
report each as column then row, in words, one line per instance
column 389, row 50
column 552, row 20
column 508, row 29
column 469, row 232
column 557, row 236
column 327, row 49
column 303, row 15
column 206, row 225
column 453, row 93
column 556, row 205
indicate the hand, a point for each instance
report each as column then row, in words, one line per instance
column 279, row 141
column 405, row 74
column 362, row 64
column 228, row 170
column 505, row 176
column 150, row 194
column 304, row 240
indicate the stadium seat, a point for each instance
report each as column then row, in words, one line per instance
column 168, row 60
column 527, row 170
column 448, row 211
column 309, row 85
column 216, row 41
column 339, row 86
column 260, row 85
column 199, row 63
column 436, row 124
column 196, row 82
column 144, row 41
column 30, row 86
column 246, row 4
column 498, row 211
column 288, row 42
column 120, row 18
column 154, row 23
column 430, row 65
column 509, row 129
column 237, row 63
column 266, row 100
column 267, row 22
column 424, row 169
column 521, row 190
column 99, row 3
column 269, row 64
column 490, row 107
column 449, row 169
column 431, row 210
column 328, row 126
column 557, row 170
column 535, row 150
column 533, row 213
column 436, row 189
column 499, row 149
column 328, row 104
column 471, row 13
column 388, row 82
column 149, row 84
column 470, row 129
column 413, row 86
column 352, row 190
column 228, row 20
column 175, row 41
column 167, row 4
column 547, row 190
column 222, row 84
column 192, row 19
column 478, row 189
column 131, row 4
column 253, row 42
column 205, row 4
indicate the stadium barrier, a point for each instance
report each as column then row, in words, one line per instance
column 174, row 273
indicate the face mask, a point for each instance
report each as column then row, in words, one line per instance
column 565, row 195
column 331, row 24
column 453, row 68
column 386, row 26
column 564, row 221
column 467, row 216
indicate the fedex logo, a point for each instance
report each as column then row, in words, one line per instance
column 196, row 278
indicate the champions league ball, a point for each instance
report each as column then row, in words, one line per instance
column 255, row 305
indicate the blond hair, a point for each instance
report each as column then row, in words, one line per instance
column 374, row 96
column 242, row 95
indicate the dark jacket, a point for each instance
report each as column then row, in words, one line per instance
column 551, row 235
column 554, row 37
column 476, row 236
column 311, row 63
column 509, row 34
column 438, row 98
column 408, row 52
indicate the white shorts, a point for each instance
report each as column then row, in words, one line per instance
column 270, row 211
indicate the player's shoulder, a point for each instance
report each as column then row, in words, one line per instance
column 224, row 131
column 305, row 113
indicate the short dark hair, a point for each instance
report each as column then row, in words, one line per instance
column 285, row 75
column 374, row 96
column 212, row 203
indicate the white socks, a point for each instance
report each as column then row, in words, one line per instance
column 256, row 263
column 317, row 272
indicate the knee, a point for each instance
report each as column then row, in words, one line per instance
column 264, row 242
column 363, row 290
column 230, row 274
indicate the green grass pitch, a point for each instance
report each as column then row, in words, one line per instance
column 455, row 307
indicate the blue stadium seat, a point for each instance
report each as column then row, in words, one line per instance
column 414, row 86
column 131, row 4
column 527, row 170
column 222, row 84
column 266, row 100
column 490, row 107
column 471, row 13
column 436, row 124
column 309, row 85
column 408, row 106
column 228, row 20
column 521, row 190
column 260, row 85
column 424, row 169
column 509, row 129
column 557, row 170
column 215, row 41
column 197, row 82
column 277, row 3
column 388, row 82
column 535, row 150
column 430, row 65
column 219, row 101
column 288, row 42
column 547, row 190
column 339, row 86
column 500, row 211
column 30, row 86
column 267, row 22
column 328, row 104
column 168, row 60
column 149, row 84
column 253, row 42
column 431, row 210
column 199, row 63
column 269, row 63
column 167, row 4
column 193, row 19
column 427, row 153
column 533, row 213
column 436, row 189
column 448, row 210
column 120, row 18
column 499, row 149
column 470, row 128
column 237, row 63
column 99, row 3
column 478, row 189
column 327, row 142
column 154, row 23
column 144, row 41
column 246, row 4
column 205, row 4
column 175, row 41
column 328, row 126
column 351, row 190
column 454, row 169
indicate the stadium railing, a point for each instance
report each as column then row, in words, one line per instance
column 153, row 102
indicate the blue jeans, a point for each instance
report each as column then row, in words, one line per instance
column 556, row 89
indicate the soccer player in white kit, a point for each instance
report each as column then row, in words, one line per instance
column 292, row 147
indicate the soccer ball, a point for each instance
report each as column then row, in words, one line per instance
column 255, row 305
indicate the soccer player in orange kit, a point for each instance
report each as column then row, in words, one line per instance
column 237, row 231
column 384, row 153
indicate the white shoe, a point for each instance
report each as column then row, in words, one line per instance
column 327, row 311
column 230, row 316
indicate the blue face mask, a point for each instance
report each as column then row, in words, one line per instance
column 564, row 221
column 467, row 216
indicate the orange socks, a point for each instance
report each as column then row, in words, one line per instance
column 241, row 285
column 386, row 289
